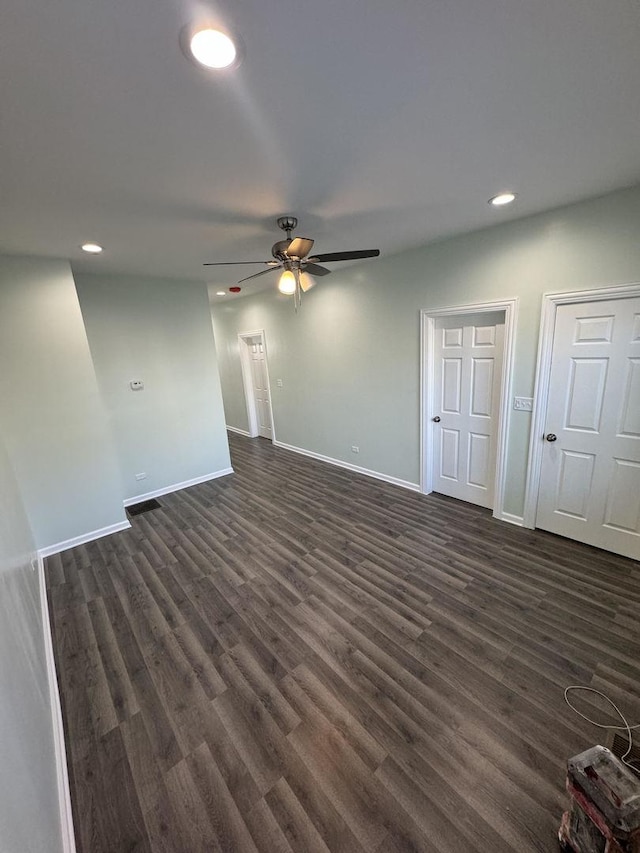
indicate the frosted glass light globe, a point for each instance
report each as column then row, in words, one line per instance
column 287, row 283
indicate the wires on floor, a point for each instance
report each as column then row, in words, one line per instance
column 625, row 727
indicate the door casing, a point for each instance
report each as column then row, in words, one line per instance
column 427, row 402
column 244, row 339
column 550, row 303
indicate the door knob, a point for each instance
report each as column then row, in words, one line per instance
column 551, row 437
column 436, row 420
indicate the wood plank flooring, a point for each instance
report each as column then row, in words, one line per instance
column 298, row 658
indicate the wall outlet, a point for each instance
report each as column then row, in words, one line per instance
column 141, row 476
column 136, row 385
column 523, row 404
column 355, row 448
column 279, row 383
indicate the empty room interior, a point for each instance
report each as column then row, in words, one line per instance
column 319, row 427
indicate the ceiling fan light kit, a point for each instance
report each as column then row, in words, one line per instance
column 292, row 256
column 287, row 283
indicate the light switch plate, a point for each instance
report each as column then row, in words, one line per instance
column 523, row 404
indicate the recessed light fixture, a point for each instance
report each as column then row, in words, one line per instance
column 502, row 198
column 211, row 46
column 91, row 248
column 221, row 293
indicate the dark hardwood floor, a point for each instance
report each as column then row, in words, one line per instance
column 298, row 658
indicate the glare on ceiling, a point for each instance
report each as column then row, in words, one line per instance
column 213, row 48
column 92, row 248
column 221, row 293
column 502, row 198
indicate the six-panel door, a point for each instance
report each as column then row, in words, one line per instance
column 468, row 371
column 590, row 480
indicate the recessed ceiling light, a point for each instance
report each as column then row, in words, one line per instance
column 502, row 198
column 92, row 248
column 210, row 46
column 221, row 293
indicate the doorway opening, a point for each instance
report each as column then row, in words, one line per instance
column 255, row 379
column 466, row 372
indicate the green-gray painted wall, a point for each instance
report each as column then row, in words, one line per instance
column 29, row 818
column 349, row 361
column 158, row 331
column 54, row 421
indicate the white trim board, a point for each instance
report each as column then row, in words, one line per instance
column 239, row 431
column 62, row 775
column 427, row 383
column 395, row 481
column 510, row 518
column 176, row 487
column 84, row 537
column 550, row 303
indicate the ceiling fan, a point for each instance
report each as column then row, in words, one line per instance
column 298, row 267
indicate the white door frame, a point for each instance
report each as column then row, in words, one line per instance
column 427, row 385
column 247, row 381
column 550, row 303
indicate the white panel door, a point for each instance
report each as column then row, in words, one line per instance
column 260, row 387
column 468, row 372
column 590, row 480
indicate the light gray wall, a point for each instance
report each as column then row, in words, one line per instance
column 159, row 331
column 55, row 427
column 29, row 819
column 349, row 360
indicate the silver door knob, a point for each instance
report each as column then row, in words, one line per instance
column 551, row 436
column 436, row 420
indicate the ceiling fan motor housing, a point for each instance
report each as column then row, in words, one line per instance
column 279, row 249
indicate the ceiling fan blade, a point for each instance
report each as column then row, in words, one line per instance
column 314, row 269
column 255, row 275
column 233, row 263
column 346, row 256
column 299, row 247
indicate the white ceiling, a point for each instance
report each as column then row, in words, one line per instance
column 378, row 123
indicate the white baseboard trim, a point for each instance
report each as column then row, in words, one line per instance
column 510, row 518
column 240, row 431
column 62, row 775
column 395, row 481
column 85, row 537
column 166, row 490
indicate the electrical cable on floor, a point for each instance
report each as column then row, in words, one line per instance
column 624, row 728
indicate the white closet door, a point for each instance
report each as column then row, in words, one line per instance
column 261, row 388
column 468, row 370
column 590, row 481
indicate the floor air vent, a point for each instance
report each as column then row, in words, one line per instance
column 618, row 743
column 143, row 506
